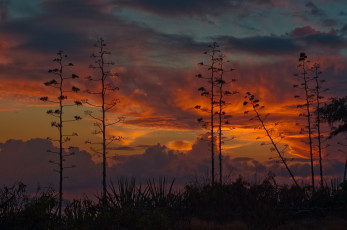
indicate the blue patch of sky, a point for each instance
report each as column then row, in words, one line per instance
column 199, row 28
column 22, row 8
column 275, row 21
column 331, row 12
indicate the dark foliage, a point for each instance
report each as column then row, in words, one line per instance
column 157, row 206
column 336, row 112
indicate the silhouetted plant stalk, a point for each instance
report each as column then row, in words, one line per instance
column 212, row 68
column 63, row 138
column 255, row 104
column 317, row 73
column 222, row 116
column 304, row 76
column 100, row 65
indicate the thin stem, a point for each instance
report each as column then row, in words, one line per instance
column 61, row 168
column 308, row 120
column 220, row 123
column 103, row 94
column 318, row 124
column 345, row 172
column 274, row 144
column 212, row 107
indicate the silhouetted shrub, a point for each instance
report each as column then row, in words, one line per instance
column 262, row 205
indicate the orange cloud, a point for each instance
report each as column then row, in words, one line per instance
column 180, row 145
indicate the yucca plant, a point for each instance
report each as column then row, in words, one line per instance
column 125, row 194
column 160, row 194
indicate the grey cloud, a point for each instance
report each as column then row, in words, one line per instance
column 314, row 10
column 61, row 24
column 284, row 45
column 124, row 148
column 79, row 8
column 269, row 45
column 325, row 40
column 199, row 8
column 29, row 162
column 330, row 22
column 343, row 30
column 342, row 13
column 3, row 9
column 10, row 9
column 44, row 38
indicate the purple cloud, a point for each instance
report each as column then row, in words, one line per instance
column 28, row 162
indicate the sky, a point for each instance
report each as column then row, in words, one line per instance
column 156, row 47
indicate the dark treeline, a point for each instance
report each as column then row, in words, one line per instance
column 236, row 205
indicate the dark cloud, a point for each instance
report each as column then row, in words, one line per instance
column 194, row 7
column 331, row 168
column 178, row 7
column 3, row 9
column 41, row 37
column 130, row 148
column 343, row 30
column 314, row 10
column 124, row 148
column 28, row 162
column 75, row 32
column 330, row 41
column 301, row 38
column 143, row 146
column 242, row 159
column 247, row 165
column 79, row 9
column 265, row 45
column 61, row 25
column 70, row 28
column 330, row 22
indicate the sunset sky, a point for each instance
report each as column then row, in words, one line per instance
column 156, row 46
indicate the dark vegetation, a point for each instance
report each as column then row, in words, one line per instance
column 236, row 205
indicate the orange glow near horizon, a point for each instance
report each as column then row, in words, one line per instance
column 156, row 108
column 143, row 118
